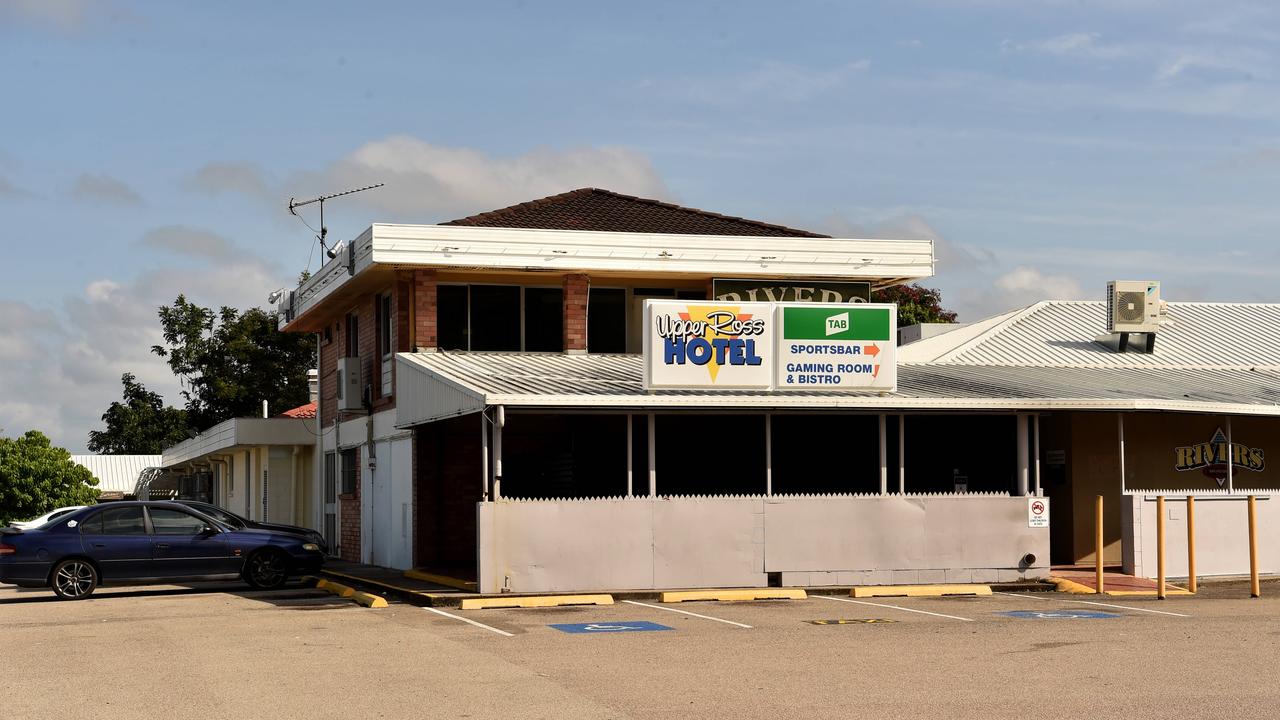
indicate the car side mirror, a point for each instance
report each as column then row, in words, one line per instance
column 209, row 530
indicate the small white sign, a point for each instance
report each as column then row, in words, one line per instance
column 1038, row 512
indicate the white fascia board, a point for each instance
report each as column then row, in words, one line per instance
column 239, row 432
column 559, row 251
column 874, row 402
column 333, row 274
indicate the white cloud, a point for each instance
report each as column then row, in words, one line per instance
column 61, row 369
column 63, row 14
column 107, row 189
column 432, row 181
column 230, row 177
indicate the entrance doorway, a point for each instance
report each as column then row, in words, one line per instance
column 448, row 483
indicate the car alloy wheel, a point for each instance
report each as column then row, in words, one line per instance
column 74, row 579
column 266, row 570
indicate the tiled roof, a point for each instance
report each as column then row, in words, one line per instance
column 608, row 211
column 307, row 411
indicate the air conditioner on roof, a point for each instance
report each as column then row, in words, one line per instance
column 349, row 384
column 1133, row 306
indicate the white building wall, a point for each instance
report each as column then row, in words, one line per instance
column 386, row 488
column 643, row 543
column 1222, row 535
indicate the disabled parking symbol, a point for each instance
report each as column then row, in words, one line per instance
column 1060, row 614
column 616, row 627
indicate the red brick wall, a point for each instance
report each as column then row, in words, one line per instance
column 424, row 300
column 447, row 486
column 349, row 515
column 576, row 288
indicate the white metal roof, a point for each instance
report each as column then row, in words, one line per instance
column 1062, row 334
column 447, row 384
column 116, row 473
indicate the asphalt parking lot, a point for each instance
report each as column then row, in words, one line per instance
column 223, row 651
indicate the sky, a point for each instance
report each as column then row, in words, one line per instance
column 149, row 148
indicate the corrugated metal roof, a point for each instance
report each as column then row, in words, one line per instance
column 555, row 380
column 1062, row 334
column 117, row 473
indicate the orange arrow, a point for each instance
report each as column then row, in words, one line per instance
column 875, row 371
column 872, row 350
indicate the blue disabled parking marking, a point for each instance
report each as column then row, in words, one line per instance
column 1060, row 614
column 610, row 627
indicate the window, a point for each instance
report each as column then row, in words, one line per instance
column 353, row 335
column 495, row 317
column 330, row 477
column 385, row 342
column 350, row 472
column 218, row 514
column 543, row 319
column 452, row 311
column 175, row 522
column 92, row 525
column 123, row 521
column 607, row 320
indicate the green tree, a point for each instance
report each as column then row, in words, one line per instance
column 230, row 361
column 916, row 304
column 36, row 477
column 139, row 423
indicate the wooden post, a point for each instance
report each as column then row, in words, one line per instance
column 1099, row 542
column 1160, row 547
column 1255, row 589
column 1191, row 544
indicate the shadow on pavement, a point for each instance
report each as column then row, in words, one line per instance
column 293, row 595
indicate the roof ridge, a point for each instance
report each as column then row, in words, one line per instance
column 552, row 199
column 1014, row 316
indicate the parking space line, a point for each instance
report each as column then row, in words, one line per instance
column 895, row 607
column 1129, row 607
column 469, row 621
column 1020, row 595
column 686, row 612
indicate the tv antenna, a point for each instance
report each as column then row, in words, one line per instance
column 324, row 231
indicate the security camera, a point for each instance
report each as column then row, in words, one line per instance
column 333, row 251
column 275, row 296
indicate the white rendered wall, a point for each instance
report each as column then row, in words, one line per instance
column 643, row 543
column 1222, row 535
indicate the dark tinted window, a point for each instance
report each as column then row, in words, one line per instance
column 123, row 521
column 495, row 317
column 175, row 522
column 607, row 321
column 451, row 317
column 218, row 514
column 543, row 319
column 92, row 525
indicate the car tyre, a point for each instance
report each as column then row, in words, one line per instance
column 266, row 569
column 74, row 579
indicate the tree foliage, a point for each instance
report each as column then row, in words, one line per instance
column 916, row 304
column 36, row 477
column 230, row 361
column 139, row 423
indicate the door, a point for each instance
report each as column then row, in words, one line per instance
column 381, row 507
column 117, row 540
column 330, row 528
column 183, row 545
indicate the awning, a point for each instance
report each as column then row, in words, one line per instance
column 433, row 386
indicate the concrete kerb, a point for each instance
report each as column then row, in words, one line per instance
column 454, row 599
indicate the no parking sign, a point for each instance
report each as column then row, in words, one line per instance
column 1038, row 512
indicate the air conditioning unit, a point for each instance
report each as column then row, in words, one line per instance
column 349, row 384
column 1133, row 306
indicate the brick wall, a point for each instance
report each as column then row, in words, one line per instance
column 402, row 296
column 576, row 289
column 424, row 319
column 349, row 509
column 447, row 486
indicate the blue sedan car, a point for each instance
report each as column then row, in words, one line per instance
column 144, row 542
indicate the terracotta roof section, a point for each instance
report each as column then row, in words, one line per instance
column 307, row 412
column 607, row 211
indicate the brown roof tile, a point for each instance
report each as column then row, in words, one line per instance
column 307, row 411
column 608, row 211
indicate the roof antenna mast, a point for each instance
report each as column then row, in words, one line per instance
column 324, row 231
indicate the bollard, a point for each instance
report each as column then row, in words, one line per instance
column 1098, row 542
column 1160, row 546
column 1191, row 544
column 1255, row 590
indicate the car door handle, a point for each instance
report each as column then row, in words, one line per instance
column 162, row 546
column 99, row 544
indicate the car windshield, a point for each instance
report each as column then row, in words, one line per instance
column 221, row 515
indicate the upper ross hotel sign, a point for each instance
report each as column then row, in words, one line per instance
column 707, row 345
